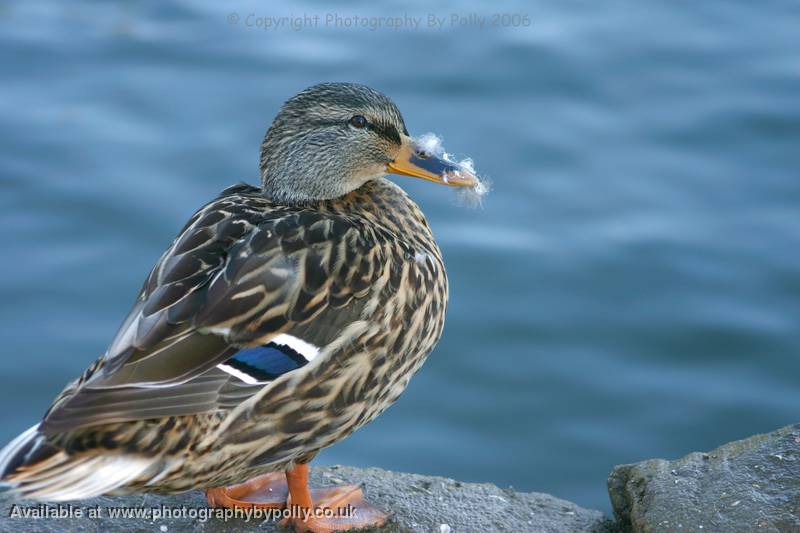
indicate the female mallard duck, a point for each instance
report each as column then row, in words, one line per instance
column 279, row 321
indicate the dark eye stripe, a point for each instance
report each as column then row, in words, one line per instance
column 387, row 131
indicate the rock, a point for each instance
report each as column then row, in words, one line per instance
column 416, row 503
column 747, row 485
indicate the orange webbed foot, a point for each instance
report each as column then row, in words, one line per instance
column 268, row 491
column 341, row 508
column 323, row 510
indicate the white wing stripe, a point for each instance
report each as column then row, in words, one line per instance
column 306, row 349
column 250, row 380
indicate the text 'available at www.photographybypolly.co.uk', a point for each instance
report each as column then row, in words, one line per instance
column 164, row 512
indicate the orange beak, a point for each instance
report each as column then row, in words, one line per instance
column 411, row 161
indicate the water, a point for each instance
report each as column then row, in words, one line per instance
column 631, row 288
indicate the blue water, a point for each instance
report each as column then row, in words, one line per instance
column 631, row 288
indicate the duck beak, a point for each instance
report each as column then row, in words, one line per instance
column 412, row 161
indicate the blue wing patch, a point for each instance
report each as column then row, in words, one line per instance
column 263, row 363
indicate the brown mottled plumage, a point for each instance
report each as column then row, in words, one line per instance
column 326, row 251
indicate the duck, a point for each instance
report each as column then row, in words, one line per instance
column 282, row 318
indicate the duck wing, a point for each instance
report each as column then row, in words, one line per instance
column 247, row 292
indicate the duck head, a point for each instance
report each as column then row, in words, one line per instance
column 332, row 138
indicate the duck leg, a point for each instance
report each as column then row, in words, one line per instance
column 323, row 510
column 327, row 510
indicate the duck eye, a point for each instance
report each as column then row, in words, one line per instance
column 358, row 121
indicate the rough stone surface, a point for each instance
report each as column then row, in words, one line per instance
column 416, row 503
column 747, row 485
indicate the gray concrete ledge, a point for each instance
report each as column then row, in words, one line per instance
column 743, row 486
column 416, row 503
column 747, row 485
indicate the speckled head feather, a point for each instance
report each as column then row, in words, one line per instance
column 313, row 152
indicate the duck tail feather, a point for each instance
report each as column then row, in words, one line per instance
column 31, row 468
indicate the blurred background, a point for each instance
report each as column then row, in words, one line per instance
column 630, row 289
